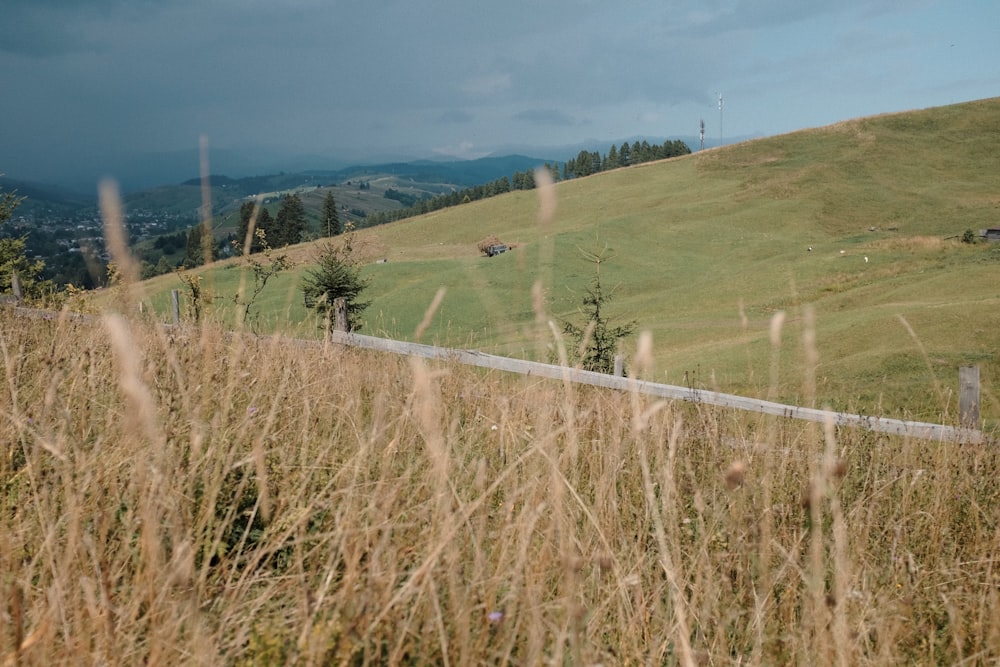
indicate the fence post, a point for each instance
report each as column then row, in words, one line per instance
column 175, row 305
column 15, row 287
column 968, row 396
column 619, row 365
column 340, row 314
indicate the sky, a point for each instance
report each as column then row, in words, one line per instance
column 356, row 81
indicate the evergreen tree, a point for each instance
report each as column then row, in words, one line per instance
column 612, row 161
column 524, row 180
column 675, row 148
column 246, row 212
column 8, row 202
column 199, row 250
column 644, row 151
column 337, row 276
column 264, row 224
column 597, row 338
column 265, row 228
column 625, row 155
column 290, row 223
column 331, row 219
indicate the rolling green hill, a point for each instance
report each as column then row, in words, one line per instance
column 859, row 223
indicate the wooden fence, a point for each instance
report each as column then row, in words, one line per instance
column 922, row 430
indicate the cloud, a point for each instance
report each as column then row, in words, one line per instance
column 487, row 84
column 648, row 117
column 551, row 117
column 44, row 28
column 463, row 150
column 455, row 116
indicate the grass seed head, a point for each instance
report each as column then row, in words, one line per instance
column 735, row 475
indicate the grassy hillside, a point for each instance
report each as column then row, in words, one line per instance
column 704, row 250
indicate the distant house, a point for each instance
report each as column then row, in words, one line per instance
column 495, row 249
column 992, row 234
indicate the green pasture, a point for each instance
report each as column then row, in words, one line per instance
column 704, row 250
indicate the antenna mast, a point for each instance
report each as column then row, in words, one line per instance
column 720, row 118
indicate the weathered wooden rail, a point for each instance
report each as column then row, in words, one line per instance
column 913, row 429
column 922, row 430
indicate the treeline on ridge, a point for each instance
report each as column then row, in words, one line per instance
column 584, row 164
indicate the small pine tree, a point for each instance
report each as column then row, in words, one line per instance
column 597, row 341
column 336, row 276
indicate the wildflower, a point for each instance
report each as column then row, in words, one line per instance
column 252, row 410
column 495, row 616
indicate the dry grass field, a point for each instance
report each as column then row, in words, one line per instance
column 191, row 496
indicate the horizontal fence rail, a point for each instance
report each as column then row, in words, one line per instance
column 922, row 430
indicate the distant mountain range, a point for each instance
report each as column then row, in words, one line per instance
column 70, row 186
column 46, row 198
column 58, row 199
column 140, row 171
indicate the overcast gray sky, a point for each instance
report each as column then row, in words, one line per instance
column 411, row 78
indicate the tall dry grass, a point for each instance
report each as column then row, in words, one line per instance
column 194, row 497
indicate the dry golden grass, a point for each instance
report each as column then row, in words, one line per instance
column 192, row 497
